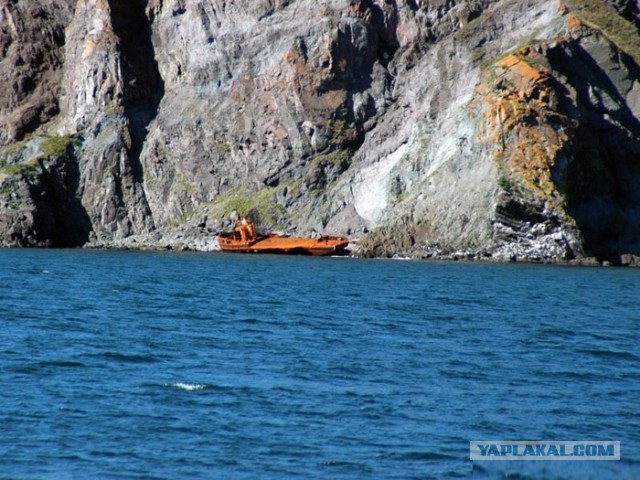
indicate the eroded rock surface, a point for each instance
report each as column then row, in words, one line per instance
column 461, row 129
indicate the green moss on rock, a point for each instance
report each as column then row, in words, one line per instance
column 55, row 145
column 244, row 204
column 28, row 168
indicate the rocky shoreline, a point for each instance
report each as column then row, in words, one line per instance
column 207, row 242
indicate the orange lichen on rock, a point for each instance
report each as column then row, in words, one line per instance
column 521, row 123
column 527, row 80
column 574, row 24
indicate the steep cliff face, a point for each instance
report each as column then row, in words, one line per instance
column 477, row 128
column 112, row 91
column 31, row 61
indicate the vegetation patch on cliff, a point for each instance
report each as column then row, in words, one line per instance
column 261, row 205
column 12, row 150
column 11, row 163
column 27, row 168
column 56, row 145
column 602, row 16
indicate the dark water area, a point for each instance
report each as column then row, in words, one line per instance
column 139, row 365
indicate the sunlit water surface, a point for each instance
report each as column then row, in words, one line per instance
column 183, row 365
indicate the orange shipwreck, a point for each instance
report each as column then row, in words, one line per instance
column 244, row 239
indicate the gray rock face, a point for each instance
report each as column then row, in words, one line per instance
column 38, row 203
column 108, row 100
column 32, row 41
column 468, row 129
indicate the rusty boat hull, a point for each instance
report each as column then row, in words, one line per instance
column 243, row 239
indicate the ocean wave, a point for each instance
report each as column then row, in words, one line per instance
column 47, row 365
column 614, row 354
column 129, row 358
column 426, row 455
column 187, row 386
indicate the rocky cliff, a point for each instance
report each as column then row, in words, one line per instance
column 503, row 129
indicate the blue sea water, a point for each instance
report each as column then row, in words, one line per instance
column 140, row 365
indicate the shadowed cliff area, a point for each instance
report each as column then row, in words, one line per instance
column 41, row 207
column 600, row 182
column 142, row 83
column 503, row 130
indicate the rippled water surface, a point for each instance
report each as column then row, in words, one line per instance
column 182, row 365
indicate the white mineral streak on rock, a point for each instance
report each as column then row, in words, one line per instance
column 93, row 80
column 371, row 189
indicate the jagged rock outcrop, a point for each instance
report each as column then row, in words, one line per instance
column 109, row 99
column 39, row 204
column 32, row 42
column 469, row 129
